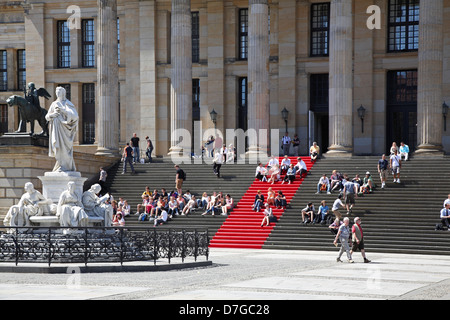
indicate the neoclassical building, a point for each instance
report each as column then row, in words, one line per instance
column 353, row 75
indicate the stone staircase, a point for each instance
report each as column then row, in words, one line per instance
column 398, row 219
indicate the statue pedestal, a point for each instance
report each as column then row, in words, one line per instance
column 23, row 139
column 54, row 183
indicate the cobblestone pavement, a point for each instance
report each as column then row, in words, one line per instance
column 241, row 274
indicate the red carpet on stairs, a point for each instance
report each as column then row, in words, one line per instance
column 242, row 228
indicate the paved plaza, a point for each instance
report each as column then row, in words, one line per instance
column 243, row 274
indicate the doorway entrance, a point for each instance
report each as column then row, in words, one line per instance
column 401, row 110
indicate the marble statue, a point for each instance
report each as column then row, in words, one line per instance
column 96, row 206
column 63, row 120
column 32, row 203
column 70, row 210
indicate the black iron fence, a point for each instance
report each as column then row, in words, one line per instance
column 93, row 244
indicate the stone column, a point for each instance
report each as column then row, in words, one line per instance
column 429, row 90
column 181, row 87
column 258, row 78
column 107, row 79
column 341, row 79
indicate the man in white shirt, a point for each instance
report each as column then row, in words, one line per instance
column 217, row 163
column 301, row 167
column 286, row 140
column 395, row 165
column 445, row 215
column 323, row 181
column 285, row 163
column 260, row 173
column 162, row 218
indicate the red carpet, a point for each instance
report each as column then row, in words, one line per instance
column 242, row 228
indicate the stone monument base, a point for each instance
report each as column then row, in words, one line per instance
column 23, row 139
column 54, row 183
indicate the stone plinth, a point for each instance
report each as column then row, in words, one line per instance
column 54, row 183
column 22, row 139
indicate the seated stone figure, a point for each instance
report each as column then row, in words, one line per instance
column 70, row 209
column 32, row 203
column 95, row 206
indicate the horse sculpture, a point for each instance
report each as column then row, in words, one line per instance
column 29, row 113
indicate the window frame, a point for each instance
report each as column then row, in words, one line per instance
column 88, row 113
column 3, row 118
column 243, row 34
column 3, row 70
column 88, row 43
column 320, row 33
column 392, row 42
column 195, row 39
column 21, row 70
column 63, row 45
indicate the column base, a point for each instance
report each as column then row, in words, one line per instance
column 178, row 156
column 338, row 151
column 256, row 154
column 429, row 150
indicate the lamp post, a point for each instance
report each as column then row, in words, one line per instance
column 361, row 114
column 285, row 115
column 213, row 115
column 444, row 113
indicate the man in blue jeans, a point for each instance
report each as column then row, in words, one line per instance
column 127, row 158
column 135, row 146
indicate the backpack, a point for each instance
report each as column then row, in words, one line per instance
column 183, row 175
column 142, row 217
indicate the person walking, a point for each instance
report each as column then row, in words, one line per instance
column 396, row 165
column 383, row 170
column 128, row 158
column 358, row 239
column 343, row 236
column 350, row 193
column 217, row 163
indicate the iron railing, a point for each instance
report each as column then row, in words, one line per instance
column 94, row 244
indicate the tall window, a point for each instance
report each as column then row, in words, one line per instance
column 195, row 37
column 195, row 99
column 87, row 43
column 21, row 70
column 403, row 25
column 88, row 113
column 118, row 41
column 3, row 118
column 320, row 28
column 66, row 86
column 3, row 71
column 242, row 103
column 63, row 44
column 243, row 34
column 318, row 97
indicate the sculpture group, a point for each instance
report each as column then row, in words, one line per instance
column 73, row 209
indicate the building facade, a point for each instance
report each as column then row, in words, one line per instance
column 353, row 75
